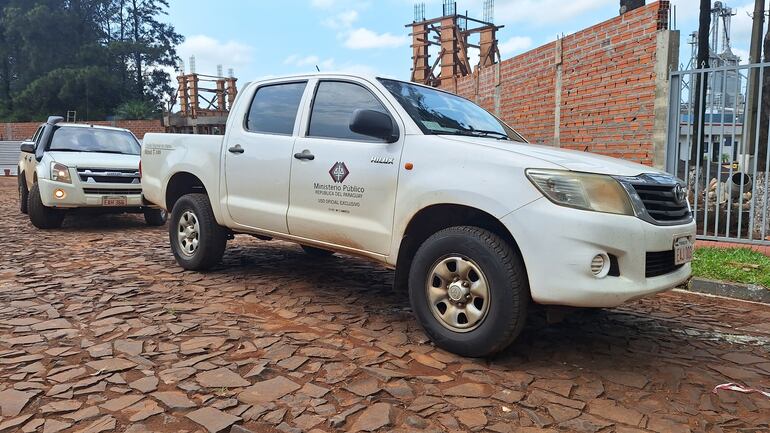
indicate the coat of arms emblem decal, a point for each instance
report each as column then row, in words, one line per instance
column 339, row 172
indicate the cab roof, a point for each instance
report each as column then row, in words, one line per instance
column 88, row 125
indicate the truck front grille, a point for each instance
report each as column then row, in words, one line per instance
column 661, row 202
column 101, row 175
column 112, row 191
column 660, row 263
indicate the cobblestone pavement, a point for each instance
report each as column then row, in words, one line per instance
column 100, row 331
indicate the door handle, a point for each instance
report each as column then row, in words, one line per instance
column 236, row 149
column 305, row 155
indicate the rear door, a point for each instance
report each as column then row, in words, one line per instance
column 28, row 159
column 258, row 157
column 345, row 195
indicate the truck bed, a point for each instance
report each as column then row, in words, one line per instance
column 165, row 155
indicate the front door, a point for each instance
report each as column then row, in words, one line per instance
column 258, row 157
column 345, row 194
column 29, row 162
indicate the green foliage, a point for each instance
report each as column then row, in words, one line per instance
column 137, row 110
column 740, row 265
column 85, row 55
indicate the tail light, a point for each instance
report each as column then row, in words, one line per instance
column 140, row 169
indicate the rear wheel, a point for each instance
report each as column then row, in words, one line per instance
column 317, row 252
column 40, row 215
column 197, row 240
column 469, row 290
column 23, row 194
column 155, row 217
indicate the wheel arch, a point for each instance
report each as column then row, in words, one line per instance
column 437, row 217
column 181, row 183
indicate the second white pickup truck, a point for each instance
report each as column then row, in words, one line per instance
column 476, row 222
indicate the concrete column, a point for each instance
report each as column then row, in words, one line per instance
column 448, row 51
column 420, row 57
column 666, row 58
column 558, row 60
column 487, row 38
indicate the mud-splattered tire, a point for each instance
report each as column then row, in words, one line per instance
column 469, row 290
column 155, row 217
column 197, row 240
column 41, row 216
column 23, row 194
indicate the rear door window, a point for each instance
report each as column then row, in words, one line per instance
column 274, row 108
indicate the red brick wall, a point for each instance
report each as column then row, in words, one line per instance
column 20, row 131
column 607, row 89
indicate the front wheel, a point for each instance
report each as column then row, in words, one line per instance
column 40, row 215
column 23, row 195
column 155, row 217
column 469, row 290
column 197, row 240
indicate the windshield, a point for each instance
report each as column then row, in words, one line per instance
column 437, row 112
column 79, row 139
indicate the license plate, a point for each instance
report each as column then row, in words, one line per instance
column 682, row 251
column 114, row 201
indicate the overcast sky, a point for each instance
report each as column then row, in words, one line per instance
column 259, row 38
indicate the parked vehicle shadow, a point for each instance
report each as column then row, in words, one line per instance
column 650, row 336
column 89, row 221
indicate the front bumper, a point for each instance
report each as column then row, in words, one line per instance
column 558, row 243
column 75, row 197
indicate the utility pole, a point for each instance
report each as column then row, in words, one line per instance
column 701, row 79
column 755, row 56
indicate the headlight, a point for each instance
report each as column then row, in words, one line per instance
column 60, row 173
column 585, row 191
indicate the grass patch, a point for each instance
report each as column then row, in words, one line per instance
column 739, row 265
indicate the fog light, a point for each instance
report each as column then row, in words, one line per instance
column 59, row 193
column 600, row 265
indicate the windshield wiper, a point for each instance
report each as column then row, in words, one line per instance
column 486, row 132
column 476, row 133
column 111, row 151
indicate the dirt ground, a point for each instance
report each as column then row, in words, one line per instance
column 100, row 330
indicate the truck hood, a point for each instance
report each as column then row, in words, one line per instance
column 95, row 160
column 568, row 159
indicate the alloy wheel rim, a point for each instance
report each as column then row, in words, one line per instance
column 188, row 233
column 458, row 293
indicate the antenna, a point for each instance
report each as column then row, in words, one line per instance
column 192, row 64
column 317, row 68
column 230, row 72
column 489, row 11
column 219, row 71
column 180, row 66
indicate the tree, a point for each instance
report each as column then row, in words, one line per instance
column 56, row 55
column 152, row 46
column 134, row 110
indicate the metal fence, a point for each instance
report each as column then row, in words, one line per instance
column 722, row 151
column 9, row 157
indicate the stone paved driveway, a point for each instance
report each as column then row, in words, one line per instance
column 101, row 331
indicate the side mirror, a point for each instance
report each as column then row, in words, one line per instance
column 28, row 147
column 374, row 124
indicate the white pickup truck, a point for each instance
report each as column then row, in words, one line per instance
column 66, row 167
column 476, row 222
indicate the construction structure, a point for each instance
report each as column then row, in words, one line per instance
column 451, row 33
column 603, row 89
column 202, row 109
